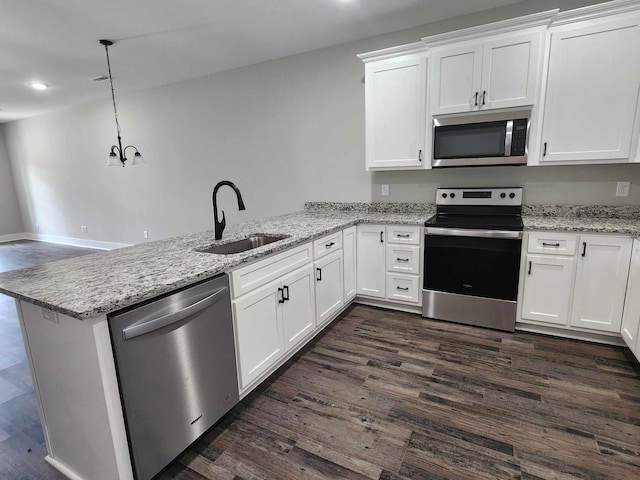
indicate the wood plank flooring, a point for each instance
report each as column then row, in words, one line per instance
column 392, row 396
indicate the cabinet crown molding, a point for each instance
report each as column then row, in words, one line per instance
column 408, row 49
column 596, row 11
column 541, row 19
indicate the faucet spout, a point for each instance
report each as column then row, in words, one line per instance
column 218, row 226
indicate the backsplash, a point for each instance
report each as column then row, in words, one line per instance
column 579, row 211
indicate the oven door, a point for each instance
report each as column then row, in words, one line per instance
column 472, row 279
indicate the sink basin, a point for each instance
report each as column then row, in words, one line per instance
column 249, row 243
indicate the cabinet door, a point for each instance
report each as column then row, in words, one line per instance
column 601, row 282
column 396, row 118
column 329, row 286
column 349, row 262
column 298, row 307
column 258, row 329
column 457, row 74
column 631, row 316
column 371, row 261
column 592, row 92
column 548, row 283
column 510, row 68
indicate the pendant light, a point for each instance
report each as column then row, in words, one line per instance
column 117, row 156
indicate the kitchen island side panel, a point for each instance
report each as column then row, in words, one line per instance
column 75, row 384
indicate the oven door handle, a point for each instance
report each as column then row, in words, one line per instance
column 463, row 232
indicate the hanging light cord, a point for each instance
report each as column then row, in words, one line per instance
column 113, row 95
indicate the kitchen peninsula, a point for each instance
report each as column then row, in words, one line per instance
column 63, row 308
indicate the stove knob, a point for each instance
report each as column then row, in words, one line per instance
column 502, row 195
column 444, row 195
column 512, row 195
column 453, row 195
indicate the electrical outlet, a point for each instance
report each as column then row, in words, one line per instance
column 622, row 190
column 385, row 189
column 50, row 315
column 146, row 234
column 84, row 228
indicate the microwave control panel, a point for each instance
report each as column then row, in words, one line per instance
column 519, row 139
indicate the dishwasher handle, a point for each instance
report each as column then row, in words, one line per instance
column 158, row 323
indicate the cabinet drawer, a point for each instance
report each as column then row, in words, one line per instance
column 551, row 243
column 403, row 259
column 403, row 288
column 246, row 279
column 325, row 245
column 404, row 234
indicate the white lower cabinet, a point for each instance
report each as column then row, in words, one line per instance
column 349, row 252
column 371, row 266
column 548, row 283
column 258, row 330
column 298, row 306
column 403, row 288
column 329, row 286
column 601, row 282
column 631, row 315
column 574, row 282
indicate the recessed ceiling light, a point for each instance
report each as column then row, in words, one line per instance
column 39, row 86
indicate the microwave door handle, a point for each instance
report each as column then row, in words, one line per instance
column 508, row 138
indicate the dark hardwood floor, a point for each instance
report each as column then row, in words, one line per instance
column 392, row 396
column 22, row 448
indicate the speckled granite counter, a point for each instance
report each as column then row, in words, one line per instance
column 104, row 282
column 583, row 218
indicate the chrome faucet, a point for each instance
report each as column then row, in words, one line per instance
column 219, row 225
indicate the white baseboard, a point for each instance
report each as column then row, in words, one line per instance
column 62, row 468
column 12, row 237
column 76, row 242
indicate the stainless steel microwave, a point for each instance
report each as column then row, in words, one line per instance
column 483, row 139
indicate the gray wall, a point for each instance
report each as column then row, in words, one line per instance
column 10, row 221
column 284, row 131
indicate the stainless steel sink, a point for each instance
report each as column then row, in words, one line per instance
column 249, row 243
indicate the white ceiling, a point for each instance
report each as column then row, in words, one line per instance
column 165, row 41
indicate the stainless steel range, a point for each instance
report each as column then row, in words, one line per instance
column 472, row 257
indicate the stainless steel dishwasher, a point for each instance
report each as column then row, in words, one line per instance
column 176, row 365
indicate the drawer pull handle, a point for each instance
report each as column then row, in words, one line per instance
column 280, row 295
column 584, row 249
column 484, row 97
column 285, row 293
column 329, row 245
column 403, row 288
column 402, row 235
column 402, row 259
column 545, row 244
column 529, row 272
column 319, row 274
column 476, row 102
column 381, row 237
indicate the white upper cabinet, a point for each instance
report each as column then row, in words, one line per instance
column 457, row 75
column 591, row 103
column 491, row 66
column 510, row 70
column 396, row 108
column 500, row 71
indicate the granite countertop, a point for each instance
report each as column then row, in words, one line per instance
column 104, row 282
